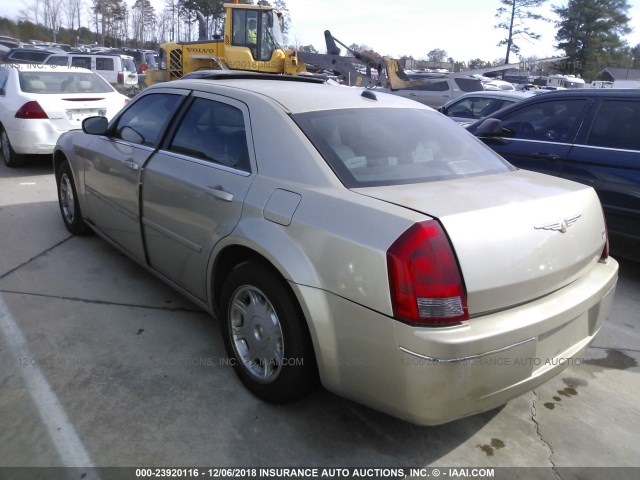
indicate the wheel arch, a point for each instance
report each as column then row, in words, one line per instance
column 237, row 251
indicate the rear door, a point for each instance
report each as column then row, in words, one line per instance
column 113, row 165
column 541, row 133
column 607, row 157
column 193, row 189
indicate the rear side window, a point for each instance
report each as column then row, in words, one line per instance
column 469, row 84
column 617, row 125
column 432, row 86
column 215, row 132
column 105, row 64
column 472, row 107
column 146, row 119
column 384, row 146
column 81, row 62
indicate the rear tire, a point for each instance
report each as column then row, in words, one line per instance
column 266, row 335
column 11, row 158
column 68, row 201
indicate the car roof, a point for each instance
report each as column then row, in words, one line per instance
column 593, row 92
column 497, row 94
column 35, row 49
column 298, row 96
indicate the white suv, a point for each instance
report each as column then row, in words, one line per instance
column 118, row 70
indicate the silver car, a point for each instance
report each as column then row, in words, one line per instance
column 347, row 236
column 476, row 105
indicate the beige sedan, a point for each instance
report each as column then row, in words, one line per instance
column 348, row 237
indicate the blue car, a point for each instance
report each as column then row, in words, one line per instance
column 589, row 136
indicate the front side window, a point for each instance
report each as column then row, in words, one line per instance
column 215, row 132
column 469, row 84
column 553, row 120
column 245, row 27
column 617, row 125
column 251, row 28
column 472, row 107
column 378, row 146
column 60, row 60
column 144, row 122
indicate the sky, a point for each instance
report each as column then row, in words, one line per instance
column 463, row 28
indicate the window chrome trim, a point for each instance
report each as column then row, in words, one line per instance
column 534, row 141
column 205, row 163
column 595, row 147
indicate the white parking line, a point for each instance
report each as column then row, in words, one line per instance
column 64, row 437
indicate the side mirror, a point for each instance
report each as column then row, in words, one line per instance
column 491, row 127
column 442, row 110
column 95, row 125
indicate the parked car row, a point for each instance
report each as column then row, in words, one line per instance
column 124, row 68
column 40, row 102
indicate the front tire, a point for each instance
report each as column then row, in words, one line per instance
column 266, row 335
column 68, row 201
column 11, row 158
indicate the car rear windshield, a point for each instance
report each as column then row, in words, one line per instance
column 62, row 82
column 374, row 147
column 128, row 64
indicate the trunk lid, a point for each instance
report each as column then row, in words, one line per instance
column 66, row 112
column 517, row 236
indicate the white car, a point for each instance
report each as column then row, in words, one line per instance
column 40, row 102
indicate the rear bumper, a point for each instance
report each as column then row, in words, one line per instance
column 39, row 138
column 434, row 375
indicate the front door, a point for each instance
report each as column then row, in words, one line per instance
column 113, row 164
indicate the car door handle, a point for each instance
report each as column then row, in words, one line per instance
column 131, row 164
column 219, row 192
column 546, row 156
column 413, row 94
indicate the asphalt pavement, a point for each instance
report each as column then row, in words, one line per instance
column 103, row 365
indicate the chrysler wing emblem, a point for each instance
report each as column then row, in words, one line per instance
column 561, row 226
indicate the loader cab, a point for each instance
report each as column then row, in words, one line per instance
column 256, row 36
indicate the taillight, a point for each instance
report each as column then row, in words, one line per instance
column 120, row 78
column 31, row 110
column 424, row 278
column 143, row 68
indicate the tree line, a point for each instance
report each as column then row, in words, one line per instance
column 589, row 32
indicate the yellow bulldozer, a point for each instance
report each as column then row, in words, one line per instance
column 253, row 40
